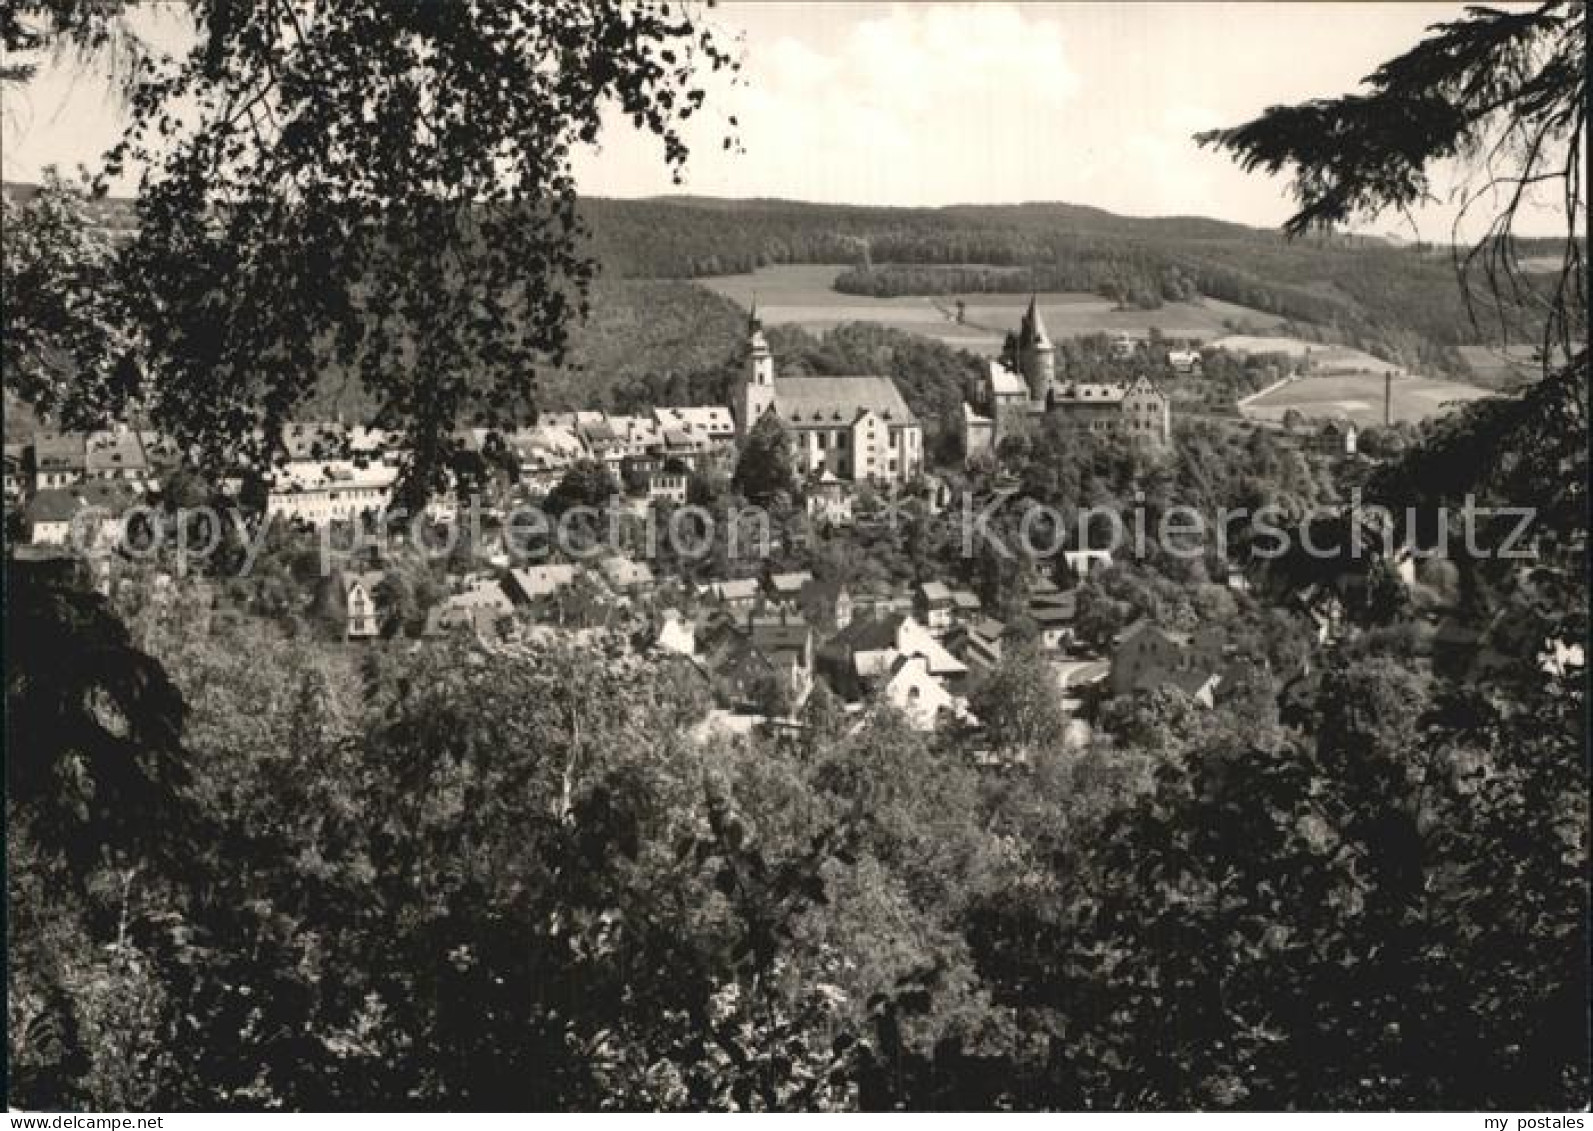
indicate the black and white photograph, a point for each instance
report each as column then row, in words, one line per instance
column 641, row 556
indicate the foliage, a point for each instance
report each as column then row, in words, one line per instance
column 1502, row 90
column 588, row 483
column 383, row 190
column 764, row 469
column 93, row 725
column 1018, row 702
column 66, row 337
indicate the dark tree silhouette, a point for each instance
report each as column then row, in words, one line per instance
column 764, row 469
column 1503, row 92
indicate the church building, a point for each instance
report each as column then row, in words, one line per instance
column 858, row 429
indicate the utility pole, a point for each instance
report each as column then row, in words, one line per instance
column 1388, row 397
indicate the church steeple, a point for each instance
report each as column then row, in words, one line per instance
column 757, row 394
column 761, row 360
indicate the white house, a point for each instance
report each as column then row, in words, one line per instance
column 321, row 491
column 913, row 690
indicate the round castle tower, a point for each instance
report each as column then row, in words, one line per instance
column 1036, row 355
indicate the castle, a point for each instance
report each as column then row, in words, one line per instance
column 1005, row 403
column 853, row 428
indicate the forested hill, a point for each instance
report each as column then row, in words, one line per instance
column 1397, row 300
column 1401, row 300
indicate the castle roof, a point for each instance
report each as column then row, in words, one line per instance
column 1031, row 332
column 1090, row 392
column 835, row 401
column 1004, row 382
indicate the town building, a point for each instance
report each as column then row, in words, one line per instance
column 934, row 605
column 857, row 428
column 918, row 694
column 965, row 605
column 830, row 502
column 533, row 583
column 977, row 643
column 743, row 653
column 544, row 453
column 318, row 492
column 735, row 595
column 49, row 515
column 59, row 460
column 827, row 602
column 625, row 575
column 116, row 455
column 1054, row 613
column 1147, row 656
column 786, row 588
column 480, row 606
column 860, row 656
column 1336, row 438
column 350, row 597
column 675, row 634
column 707, row 426
column 16, row 472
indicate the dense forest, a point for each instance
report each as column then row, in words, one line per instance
column 1398, row 301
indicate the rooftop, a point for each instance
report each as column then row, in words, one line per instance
column 59, row 449
column 789, row 583
column 52, row 506
column 936, row 592
column 736, row 589
column 624, row 573
column 839, row 400
column 1004, row 382
column 114, row 451
column 542, row 580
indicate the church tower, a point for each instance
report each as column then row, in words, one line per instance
column 1036, row 355
column 757, row 394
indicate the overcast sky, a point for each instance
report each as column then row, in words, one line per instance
column 924, row 104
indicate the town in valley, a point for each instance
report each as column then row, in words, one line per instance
column 641, row 556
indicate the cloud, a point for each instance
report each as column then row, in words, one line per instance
column 907, row 104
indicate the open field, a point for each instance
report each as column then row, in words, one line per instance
column 802, row 294
column 1326, row 359
column 1359, row 397
column 1502, row 367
